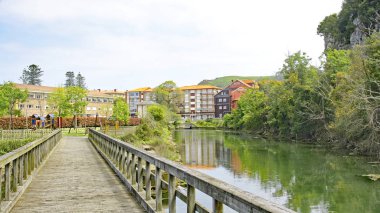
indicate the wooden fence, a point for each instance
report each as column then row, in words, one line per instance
column 134, row 167
column 23, row 133
column 17, row 168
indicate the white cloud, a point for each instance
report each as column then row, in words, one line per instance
column 130, row 43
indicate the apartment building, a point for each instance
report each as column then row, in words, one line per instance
column 99, row 102
column 36, row 102
column 136, row 96
column 227, row 99
column 198, row 102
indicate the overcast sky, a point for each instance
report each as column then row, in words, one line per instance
column 125, row 44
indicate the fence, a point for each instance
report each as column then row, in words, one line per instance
column 134, row 168
column 23, row 133
column 18, row 167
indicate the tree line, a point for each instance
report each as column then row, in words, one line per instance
column 32, row 75
column 337, row 103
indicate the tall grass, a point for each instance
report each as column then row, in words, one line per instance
column 10, row 145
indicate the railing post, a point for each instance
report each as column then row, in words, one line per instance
column 30, row 164
column 139, row 175
column 7, row 182
column 26, row 166
column 15, row 175
column 123, row 161
column 120, row 158
column 190, row 198
column 172, row 197
column 21, row 170
column 129, row 160
column 148, row 190
column 217, row 206
column 158, row 189
column 133, row 172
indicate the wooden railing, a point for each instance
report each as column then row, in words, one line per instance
column 135, row 169
column 18, row 167
column 18, row 134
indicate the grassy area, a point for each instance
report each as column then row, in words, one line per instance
column 74, row 132
column 226, row 80
column 10, row 145
column 111, row 131
column 209, row 123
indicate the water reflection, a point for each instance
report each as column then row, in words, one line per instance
column 301, row 177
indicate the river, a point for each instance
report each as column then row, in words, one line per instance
column 302, row 177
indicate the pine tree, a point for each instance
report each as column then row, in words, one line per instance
column 70, row 79
column 80, row 81
column 32, row 75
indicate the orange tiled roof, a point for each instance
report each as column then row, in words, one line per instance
column 248, row 81
column 48, row 89
column 142, row 89
column 195, row 87
column 97, row 93
column 35, row 88
column 113, row 91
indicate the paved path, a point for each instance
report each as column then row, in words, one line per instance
column 76, row 179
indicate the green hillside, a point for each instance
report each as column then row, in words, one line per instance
column 226, row 80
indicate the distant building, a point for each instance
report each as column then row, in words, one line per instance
column 115, row 93
column 226, row 100
column 198, row 102
column 222, row 103
column 136, row 96
column 99, row 102
column 142, row 108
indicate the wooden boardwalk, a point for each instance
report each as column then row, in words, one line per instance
column 76, row 179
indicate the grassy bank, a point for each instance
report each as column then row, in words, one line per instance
column 10, row 145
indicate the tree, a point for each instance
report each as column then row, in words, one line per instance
column 80, row 81
column 357, row 123
column 70, row 79
column 76, row 97
column 169, row 95
column 9, row 97
column 121, row 110
column 32, row 75
column 59, row 102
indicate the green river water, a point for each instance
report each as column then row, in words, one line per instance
column 301, row 177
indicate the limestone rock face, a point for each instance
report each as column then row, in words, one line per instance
column 357, row 37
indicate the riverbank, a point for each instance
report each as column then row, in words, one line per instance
column 302, row 176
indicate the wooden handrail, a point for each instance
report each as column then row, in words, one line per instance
column 18, row 167
column 127, row 161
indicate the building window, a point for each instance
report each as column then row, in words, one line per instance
column 38, row 96
column 220, row 107
column 30, row 106
column 224, row 107
column 38, row 107
column 224, row 99
column 88, row 108
column 219, row 100
column 31, row 95
column 93, row 108
column 21, row 106
column 220, row 115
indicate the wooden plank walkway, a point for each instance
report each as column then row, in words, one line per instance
column 76, row 179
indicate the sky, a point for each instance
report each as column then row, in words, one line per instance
column 125, row 44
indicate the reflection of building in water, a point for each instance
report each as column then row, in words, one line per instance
column 204, row 151
column 236, row 164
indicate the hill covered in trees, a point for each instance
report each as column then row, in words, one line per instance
column 357, row 20
column 226, row 80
